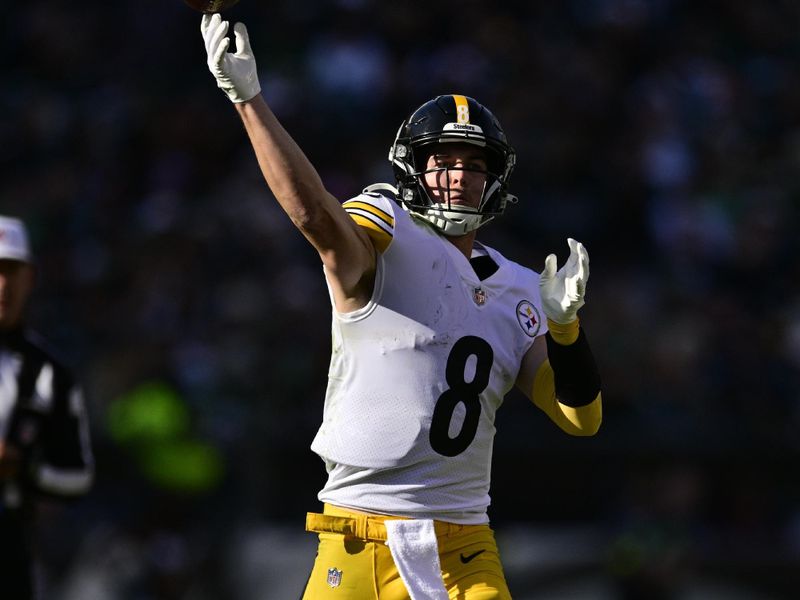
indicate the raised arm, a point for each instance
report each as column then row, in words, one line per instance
column 559, row 373
column 345, row 250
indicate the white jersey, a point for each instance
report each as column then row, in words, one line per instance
column 417, row 374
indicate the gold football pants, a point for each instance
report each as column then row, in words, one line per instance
column 354, row 563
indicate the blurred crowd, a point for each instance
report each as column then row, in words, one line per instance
column 663, row 134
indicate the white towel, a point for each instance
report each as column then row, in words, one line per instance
column 412, row 543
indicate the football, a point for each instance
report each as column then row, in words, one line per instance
column 211, row 6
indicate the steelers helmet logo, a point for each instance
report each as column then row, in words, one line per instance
column 528, row 318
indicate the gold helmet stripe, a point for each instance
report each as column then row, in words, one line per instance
column 462, row 108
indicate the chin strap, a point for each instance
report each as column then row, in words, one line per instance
column 451, row 222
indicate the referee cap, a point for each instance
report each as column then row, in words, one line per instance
column 14, row 243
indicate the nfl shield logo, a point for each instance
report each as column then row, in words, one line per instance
column 479, row 296
column 334, row 577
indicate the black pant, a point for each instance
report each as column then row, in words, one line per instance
column 16, row 563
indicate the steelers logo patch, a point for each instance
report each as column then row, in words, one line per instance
column 528, row 318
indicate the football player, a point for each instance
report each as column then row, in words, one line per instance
column 431, row 329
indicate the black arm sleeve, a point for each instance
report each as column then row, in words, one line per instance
column 577, row 380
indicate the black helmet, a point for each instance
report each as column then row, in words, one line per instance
column 451, row 118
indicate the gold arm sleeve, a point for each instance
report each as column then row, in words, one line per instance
column 581, row 420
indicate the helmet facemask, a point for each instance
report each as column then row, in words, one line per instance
column 448, row 217
column 434, row 125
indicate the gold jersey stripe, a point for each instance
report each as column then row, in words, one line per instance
column 383, row 216
column 380, row 237
column 462, row 108
column 370, row 217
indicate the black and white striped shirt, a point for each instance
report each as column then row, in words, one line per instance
column 42, row 414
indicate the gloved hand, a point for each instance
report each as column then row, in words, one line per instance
column 562, row 292
column 236, row 74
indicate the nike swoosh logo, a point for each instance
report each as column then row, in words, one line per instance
column 466, row 559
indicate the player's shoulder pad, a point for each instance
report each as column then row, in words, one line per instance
column 373, row 210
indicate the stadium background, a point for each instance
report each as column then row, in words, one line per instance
column 664, row 134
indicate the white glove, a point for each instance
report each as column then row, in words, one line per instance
column 236, row 74
column 562, row 292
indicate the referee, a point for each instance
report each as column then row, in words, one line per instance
column 44, row 434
